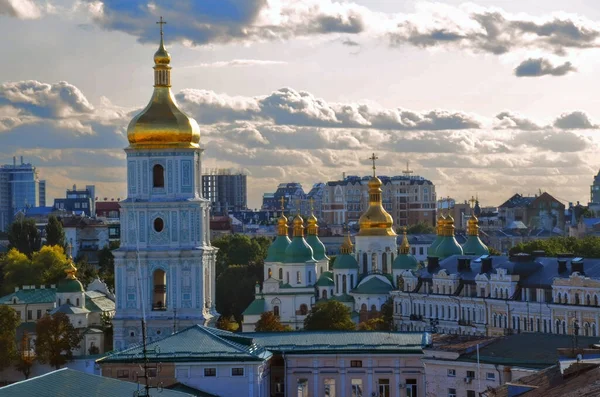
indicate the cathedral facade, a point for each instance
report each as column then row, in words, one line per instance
column 165, row 267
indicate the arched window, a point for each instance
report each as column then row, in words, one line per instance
column 324, row 294
column 270, row 272
column 303, row 310
column 77, row 302
column 373, row 308
column 337, row 283
column 566, row 297
column 586, row 329
column 59, row 302
column 496, row 293
column 495, row 324
column 593, row 329
column 365, row 263
column 158, row 176
column 159, row 299
column 352, row 281
column 344, row 284
column 281, row 274
column 298, row 278
column 588, row 300
column 384, row 262
column 392, row 257
column 276, row 310
column 363, row 307
column 564, row 327
column 576, row 298
column 373, row 262
column 595, row 300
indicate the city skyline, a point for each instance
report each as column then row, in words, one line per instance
column 491, row 99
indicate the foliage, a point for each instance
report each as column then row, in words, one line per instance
column 227, row 324
column 420, row 228
column 235, row 289
column 494, row 251
column 24, row 235
column 52, row 261
column 387, row 315
column 269, row 322
column 588, row 247
column 86, row 273
column 25, row 357
column 55, row 234
column 240, row 249
column 9, row 321
column 374, row 324
column 106, row 267
column 329, row 315
column 56, row 339
column 107, row 327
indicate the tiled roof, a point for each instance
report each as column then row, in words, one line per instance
column 98, row 302
column 337, row 342
column 196, row 343
column 373, row 286
column 256, row 307
column 39, row 295
column 70, row 383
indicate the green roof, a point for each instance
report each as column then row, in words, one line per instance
column 345, row 261
column 448, row 247
column 276, row 251
column 342, row 298
column 46, row 295
column 256, row 307
column 339, row 342
column 196, row 344
column 70, row 383
column 317, row 246
column 70, row 285
column 474, row 246
column 190, row 390
column 433, row 247
column 298, row 251
column 325, row 280
column 405, row 262
column 373, row 286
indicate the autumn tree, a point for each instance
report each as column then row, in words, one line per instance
column 373, row 324
column 24, row 235
column 227, row 324
column 55, row 234
column 56, row 339
column 52, row 261
column 9, row 321
column 18, row 271
column 329, row 315
column 25, row 357
column 269, row 322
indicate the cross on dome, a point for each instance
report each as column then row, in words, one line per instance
column 161, row 22
column 373, row 158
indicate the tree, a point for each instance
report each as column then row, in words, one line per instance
column 106, row 267
column 56, row 339
column 374, row 324
column 588, row 247
column 18, row 271
column 387, row 315
column 269, row 322
column 9, row 321
column 240, row 249
column 25, row 357
column 227, row 324
column 494, row 251
column 86, row 273
column 235, row 289
column 329, row 315
column 55, row 234
column 421, row 228
column 52, row 261
column 24, row 236
column 107, row 328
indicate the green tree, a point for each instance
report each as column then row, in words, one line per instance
column 269, row 322
column 588, row 247
column 494, row 251
column 329, row 315
column 373, row 324
column 420, row 228
column 25, row 357
column 9, row 321
column 107, row 327
column 86, row 273
column 55, row 234
column 18, row 271
column 106, row 267
column 52, row 261
column 24, row 236
column 235, row 289
column 56, row 339
column 387, row 315
column 239, row 249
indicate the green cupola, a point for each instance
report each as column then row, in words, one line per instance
column 439, row 231
column 70, row 282
column 312, row 238
column 345, row 260
column 404, row 260
column 474, row 245
column 448, row 245
column 298, row 251
column 276, row 251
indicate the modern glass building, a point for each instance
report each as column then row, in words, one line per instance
column 19, row 189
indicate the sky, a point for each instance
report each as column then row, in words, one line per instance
column 487, row 98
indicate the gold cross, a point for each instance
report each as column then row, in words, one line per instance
column 161, row 23
column 312, row 202
column 373, row 158
column 282, row 200
column 472, row 201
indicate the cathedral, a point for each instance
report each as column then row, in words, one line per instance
column 165, row 267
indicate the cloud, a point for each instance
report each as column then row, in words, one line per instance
column 22, row 9
column 511, row 121
column 350, row 43
column 574, row 120
column 535, row 67
column 236, row 63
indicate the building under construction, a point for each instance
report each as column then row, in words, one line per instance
column 226, row 190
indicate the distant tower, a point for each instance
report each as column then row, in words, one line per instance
column 165, row 267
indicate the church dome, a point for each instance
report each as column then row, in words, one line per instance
column 276, row 251
column 404, row 260
column 345, row 260
column 474, row 245
column 312, row 238
column 448, row 245
column 70, row 282
column 376, row 221
column 162, row 125
column 299, row 251
column 440, row 232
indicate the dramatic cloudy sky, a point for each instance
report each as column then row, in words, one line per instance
column 488, row 98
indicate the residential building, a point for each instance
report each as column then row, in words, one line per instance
column 87, row 236
column 42, row 193
column 535, row 212
column 109, row 212
column 226, row 190
column 19, row 189
column 409, row 199
column 595, row 190
column 293, row 196
column 79, row 202
column 165, row 265
column 282, row 363
column 74, row 383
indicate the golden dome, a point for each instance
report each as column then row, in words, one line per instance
column 162, row 125
column 298, row 226
column 347, row 246
column 282, row 225
column 449, row 226
column 312, row 225
column 376, row 221
column 473, row 226
column 404, row 246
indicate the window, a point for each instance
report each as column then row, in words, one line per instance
column 210, row 372
column 357, row 388
column 451, row 392
column 490, row 376
column 276, row 310
column 77, row 300
column 19, row 313
column 471, row 374
column 160, row 290
column 29, row 314
column 309, row 277
column 329, row 387
column 470, row 393
column 281, row 274
column 356, row 363
column 152, row 372
column 158, row 176
column 303, row 310
column 420, row 250
column 158, row 225
column 452, row 372
column 344, row 284
column 123, row 373
column 384, row 387
column 237, row 371
column 298, row 278
column 39, row 314
column 411, row 388
column 77, row 205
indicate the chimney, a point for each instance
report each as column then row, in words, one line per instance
column 577, row 266
column 486, row 264
column 562, row 266
column 433, row 262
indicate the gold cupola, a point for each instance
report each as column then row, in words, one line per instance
column 404, row 246
column 376, row 221
column 162, row 125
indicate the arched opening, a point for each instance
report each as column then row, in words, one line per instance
column 159, row 301
column 269, row 272
column 303, row 310
column 384, row 262
column 576, row 298
column 344, row 284
column 77, row 301
column 281, row 274
column 363, row 307
column 276, row 310
column 365, row 263
column 588, row 300
column 373, row 262
column 324, row 294
column 158, row 176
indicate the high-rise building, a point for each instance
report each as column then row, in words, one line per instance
column 19, row 189
column 42, row 193
column 226, row 190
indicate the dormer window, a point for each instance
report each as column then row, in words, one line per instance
column 14, row 301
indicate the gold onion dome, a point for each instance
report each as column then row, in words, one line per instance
column 347, row 246
column 299, row 251
column 162, row 125
column 440, row 233
column 405, row 261
column 376, row 221
column 404, row 246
